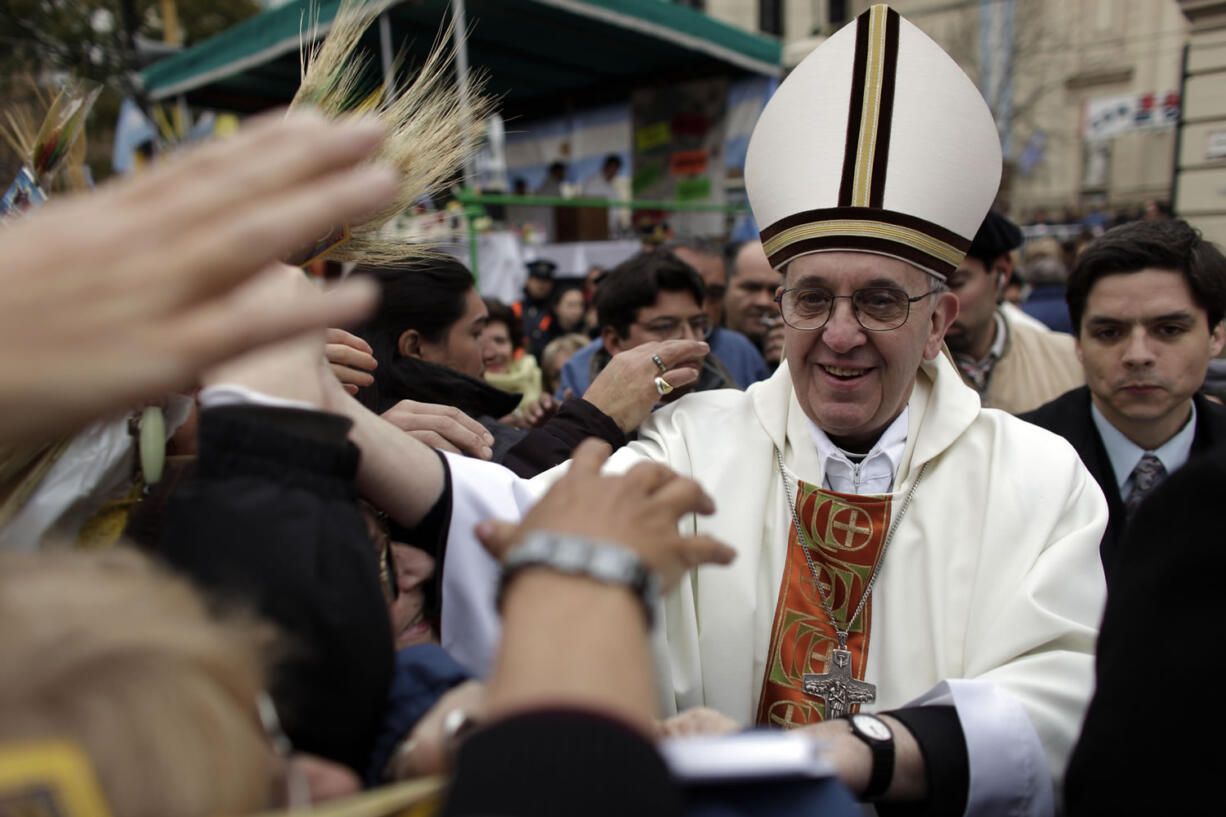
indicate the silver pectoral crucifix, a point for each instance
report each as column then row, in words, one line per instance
column 837, row 687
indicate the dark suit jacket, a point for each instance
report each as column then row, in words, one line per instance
column 1069, row 416
column 1152, row 739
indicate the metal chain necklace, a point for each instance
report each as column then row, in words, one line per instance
column 837, row 686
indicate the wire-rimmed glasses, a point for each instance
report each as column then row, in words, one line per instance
column 877, row 309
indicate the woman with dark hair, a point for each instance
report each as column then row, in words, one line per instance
column 567, row 309
column 508, row 365
column 425, row 338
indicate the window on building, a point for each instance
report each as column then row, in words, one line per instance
column 770, row 17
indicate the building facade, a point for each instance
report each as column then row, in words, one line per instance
column 1200, row 181
column 1086, row 93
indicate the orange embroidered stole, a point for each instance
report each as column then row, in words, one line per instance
column 844, row 534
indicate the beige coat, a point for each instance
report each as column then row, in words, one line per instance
column 1037, row 367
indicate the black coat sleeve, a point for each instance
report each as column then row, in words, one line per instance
column 543, row 448
column 1152, row 741
column 269, row 520
column 560, row 763
column 938, row 731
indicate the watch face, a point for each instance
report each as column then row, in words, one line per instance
column 872, row 727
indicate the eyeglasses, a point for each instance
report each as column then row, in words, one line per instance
column 674, row 328
column 877, row 309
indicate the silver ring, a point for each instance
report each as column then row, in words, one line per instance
column 659, row 365
column 663, row 387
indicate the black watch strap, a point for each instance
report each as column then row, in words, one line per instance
column 879, row 738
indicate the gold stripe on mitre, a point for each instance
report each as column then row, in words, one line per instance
column 864, row 228
column 870, row 111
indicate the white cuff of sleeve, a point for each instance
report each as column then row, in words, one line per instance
column 232, row 394
column 1009, row 773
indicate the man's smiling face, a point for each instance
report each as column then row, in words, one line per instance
column 851, row 382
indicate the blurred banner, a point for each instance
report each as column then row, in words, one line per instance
column 581, row 141
column 679, row 151
column 1110, row 116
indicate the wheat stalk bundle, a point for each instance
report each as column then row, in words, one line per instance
column 432, row 127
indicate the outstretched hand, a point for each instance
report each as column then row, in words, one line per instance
column 125, row 294
column 625, row 389
column 639, row 510
column 443, row 427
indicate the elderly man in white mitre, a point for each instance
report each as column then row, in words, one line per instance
column 901, row 551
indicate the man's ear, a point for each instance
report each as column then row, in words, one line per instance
column 409, row 343
column 1217, row 338
column 1003, row 270
column 612, row 341
column 944, row 312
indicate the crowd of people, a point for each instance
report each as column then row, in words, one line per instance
column 411, row 531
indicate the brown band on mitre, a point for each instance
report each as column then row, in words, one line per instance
column 865, row 229
column 936, row 231
column 885, row 112
column 934, row 266
column 870, row 108
column 854, row 109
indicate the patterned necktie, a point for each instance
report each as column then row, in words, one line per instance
column 1148, row 474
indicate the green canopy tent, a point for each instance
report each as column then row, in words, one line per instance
column 540, row 56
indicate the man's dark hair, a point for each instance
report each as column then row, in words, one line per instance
column 501, row 313
column 612, row 158
column 637, row 282
column 1139, row 245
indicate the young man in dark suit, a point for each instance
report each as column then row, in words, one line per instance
column 1147, row 301
column 1162, row 619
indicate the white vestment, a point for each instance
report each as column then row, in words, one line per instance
column 989, row 596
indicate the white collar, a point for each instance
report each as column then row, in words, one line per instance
column 875, row 473
column 1125, row 454
column 1002, row 335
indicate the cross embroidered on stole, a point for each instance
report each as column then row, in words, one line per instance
column 845, row 534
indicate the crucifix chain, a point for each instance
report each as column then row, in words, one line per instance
column 838, row 687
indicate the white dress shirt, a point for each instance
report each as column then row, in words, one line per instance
column 874, row 474
column 1125, row 454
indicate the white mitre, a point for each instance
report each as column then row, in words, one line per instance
column 877, row 142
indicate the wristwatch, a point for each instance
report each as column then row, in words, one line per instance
column 605, row 562
column 879, row 738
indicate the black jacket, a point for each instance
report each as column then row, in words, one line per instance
column 1152, row 739
column 1069, row 416
column 527, row 453
column 268, row 519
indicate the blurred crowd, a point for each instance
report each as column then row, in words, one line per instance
column 266, row 542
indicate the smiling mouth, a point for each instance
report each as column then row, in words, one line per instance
column 843, row 373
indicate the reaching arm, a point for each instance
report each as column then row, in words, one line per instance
column 397, row 473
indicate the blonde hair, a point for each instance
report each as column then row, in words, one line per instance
column 565, row 344
column 109, row 651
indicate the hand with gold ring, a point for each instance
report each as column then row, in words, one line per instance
column 635, row 380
